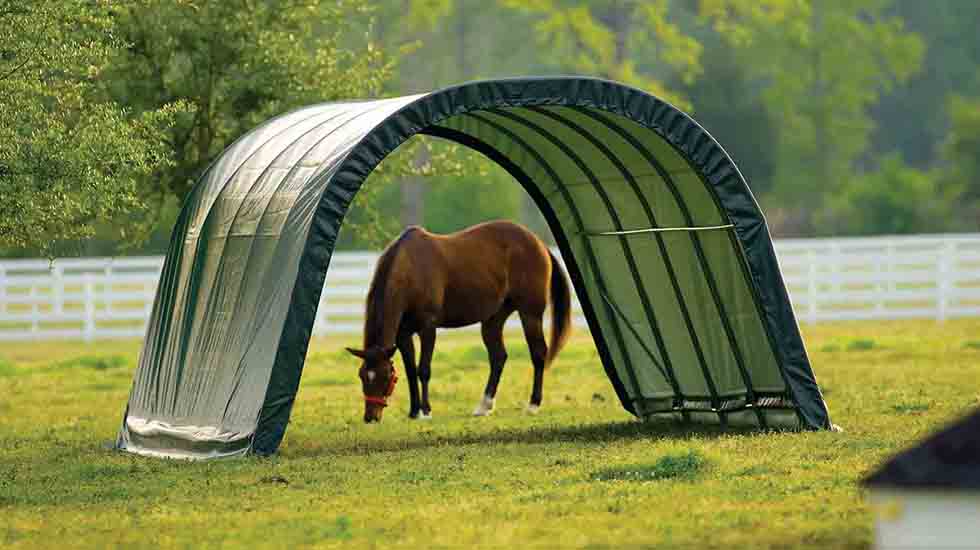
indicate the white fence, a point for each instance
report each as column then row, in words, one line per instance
column 936, row 276
column 928, row 276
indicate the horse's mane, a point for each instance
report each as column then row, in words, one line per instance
column 374, row 315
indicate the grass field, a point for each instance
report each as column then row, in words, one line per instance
column 581, row 473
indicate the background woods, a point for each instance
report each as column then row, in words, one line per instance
column 857, row 117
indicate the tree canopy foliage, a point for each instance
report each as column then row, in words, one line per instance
column 825, row 63
column 855, row 116
column 962, row 153
column 236, row 63
column 606, row 38
column 70, row 157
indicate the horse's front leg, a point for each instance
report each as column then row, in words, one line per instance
column 493, row 339
column 428, row 340
column 407, row 347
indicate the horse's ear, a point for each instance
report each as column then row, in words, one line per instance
column 390, row 352
column 356, row 353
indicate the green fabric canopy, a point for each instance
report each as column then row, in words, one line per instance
column 666, row 247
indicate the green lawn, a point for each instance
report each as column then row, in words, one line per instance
column 581, row 473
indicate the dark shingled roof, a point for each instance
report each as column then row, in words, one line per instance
column 948, row 459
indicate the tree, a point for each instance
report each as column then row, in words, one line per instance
column 962, row 153
column 914, row 118
column 729, row 104
column 443, row 42
column 895, row 199
column 823, row 64
column 606, row 38
column 374, row 218
column 71, row 158
column 237, row 63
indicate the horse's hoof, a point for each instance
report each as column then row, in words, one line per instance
column 424, row 416
column 532, row 409
column 485, row 408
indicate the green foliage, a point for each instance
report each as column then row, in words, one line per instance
column 456, row 203
column 895, row 199
column 94, row 362
column 684, row 466
column 861, row 344
column 71, row 158
column 514, row 479
column 237, row 63
column 110, row 110
column 728, row 100
column 607, row 38
column 914, row 118
column 910, row 407
column 7, row 368
column 962, row 153
column 373, row 220
column 825, row 64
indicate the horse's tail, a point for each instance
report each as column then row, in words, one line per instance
column 561, row 309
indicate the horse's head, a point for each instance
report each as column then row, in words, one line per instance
column 378, row 379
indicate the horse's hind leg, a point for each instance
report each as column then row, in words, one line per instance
column 493, row 339
column 534, row 334
column 407, row 348
column 428, row 340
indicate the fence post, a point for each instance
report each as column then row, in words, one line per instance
column 89, row 327
column 58, row 287
column 883, row 271
column 892, row 284
column 943, row 284
column 836, row 258
column 3, row 290
column 107, row 287
column 320, row 323
column 35, row 310
column 811, row 286
column 149, row 293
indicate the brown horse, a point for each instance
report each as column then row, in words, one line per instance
column 482, row 274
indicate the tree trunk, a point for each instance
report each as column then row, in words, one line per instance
column 413, row 193
column 462, row 65
column 821, row 126
column 618, row 18
column 413, row 201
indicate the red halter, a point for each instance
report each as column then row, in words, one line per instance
column 383, row 401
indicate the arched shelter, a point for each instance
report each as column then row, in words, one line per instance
column 667, row 249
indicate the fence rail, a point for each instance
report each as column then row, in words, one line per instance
column 928, row 276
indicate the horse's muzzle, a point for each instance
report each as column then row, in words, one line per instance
column 372, row 414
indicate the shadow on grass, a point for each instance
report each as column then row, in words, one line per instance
column 590, row 434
